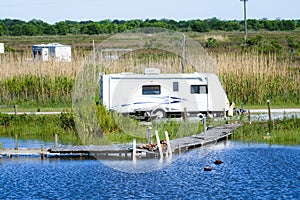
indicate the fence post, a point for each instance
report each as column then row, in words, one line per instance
column 16, row 142
column 16, row 109
column 269, row 112
column 149, row 135
column 134, row 150
column 169, row 150
column 184, row 114
column 159, row 145
column 0, row 150
column 204, row 123
column 249, row 116
column 42, row 152
column 56, row 140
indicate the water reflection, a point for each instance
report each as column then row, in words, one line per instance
column 10, row 142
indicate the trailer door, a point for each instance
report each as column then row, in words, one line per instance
column 45, row 54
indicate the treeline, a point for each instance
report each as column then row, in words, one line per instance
column 14, row 27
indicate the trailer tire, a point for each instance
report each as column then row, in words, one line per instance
column 201, row 116
column 160, row 113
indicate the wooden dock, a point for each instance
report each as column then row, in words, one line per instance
column 125, row 151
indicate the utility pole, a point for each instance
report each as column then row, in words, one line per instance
column 183, row 54
column 245, row 19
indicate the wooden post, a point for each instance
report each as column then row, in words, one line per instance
column 149, row 135
column 169, row 150
column 134, row 152
column 0, row 150
column 42, row 152
column 16, row 109
column 249, row 116
column 184, row 114
column 134, row 149
column 17, row 143
column 56, row 140
column 204, row 122
column 158, row 144
column 269, row 112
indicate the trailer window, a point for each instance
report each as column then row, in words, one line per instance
column 151, row 89
column 199, row 89
column 175, row 86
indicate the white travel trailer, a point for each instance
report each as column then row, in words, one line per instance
column 52, row 51
column 152, row 94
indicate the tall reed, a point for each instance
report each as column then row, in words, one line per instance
column 252, row 78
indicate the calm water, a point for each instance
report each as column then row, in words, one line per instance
column 10, row 142
column 254, row 171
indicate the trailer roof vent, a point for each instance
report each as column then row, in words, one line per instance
column 152, row 71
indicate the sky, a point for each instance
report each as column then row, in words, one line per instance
column 52, row 11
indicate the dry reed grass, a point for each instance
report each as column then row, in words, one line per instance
column 250, row 78
column 253, row 78
column 20, row 65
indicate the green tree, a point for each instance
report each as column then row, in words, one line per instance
column 2, row 29
column 215, row 24
column 270, row 25
column 38, row 25
column 132, row 24
column 171, row 24
column 232, row 26
column 184, row 26
column 62, row 28
column 199, row 26
column 254, row 24
column 289, row 25
column 92, row 28
column 29, row 29
column 15, row 30
column 49, row 30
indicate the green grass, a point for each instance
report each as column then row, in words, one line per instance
column 31, row 108
column 283, row 132
column 38, row 127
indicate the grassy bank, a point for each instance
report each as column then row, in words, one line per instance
column 283, row 132
column 43, row 127
column 114, row 128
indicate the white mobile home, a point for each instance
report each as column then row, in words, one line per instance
column 1, row 47
column 163, row 95
column 52, row 51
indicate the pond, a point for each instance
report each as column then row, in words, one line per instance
column 249, row 171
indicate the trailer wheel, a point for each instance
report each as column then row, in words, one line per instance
column 160, row 113
column 201, row 116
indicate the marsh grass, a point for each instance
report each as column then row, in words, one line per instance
column 250, row 77
column 253, row 78
column 37, row 127
column 284, row 132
